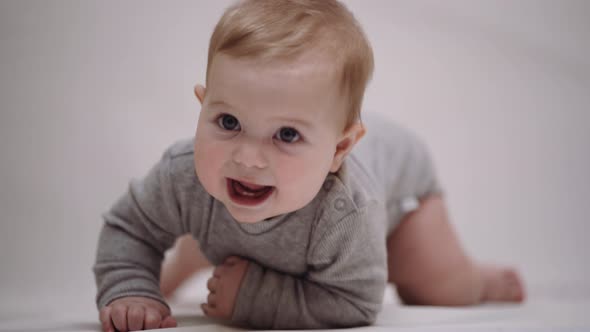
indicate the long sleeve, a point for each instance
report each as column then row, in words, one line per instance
column 342, row 288
column 137, row 231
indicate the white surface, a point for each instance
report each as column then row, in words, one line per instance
column 557, row 308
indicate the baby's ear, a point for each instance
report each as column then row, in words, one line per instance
column 200, row 93
column 349, row 138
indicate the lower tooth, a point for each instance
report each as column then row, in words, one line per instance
column 245, row 193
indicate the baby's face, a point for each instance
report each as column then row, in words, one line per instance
column 267, row 134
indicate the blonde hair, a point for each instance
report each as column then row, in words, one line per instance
column 284, row 29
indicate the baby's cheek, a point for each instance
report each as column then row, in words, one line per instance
column 290, row 172
column 301, row 180
column 208, row 164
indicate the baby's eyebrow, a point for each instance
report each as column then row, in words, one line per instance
column 220, row 103
column 299, row 122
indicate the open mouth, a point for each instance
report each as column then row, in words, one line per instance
column 245, row 193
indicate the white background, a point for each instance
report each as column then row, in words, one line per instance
column 91, row 92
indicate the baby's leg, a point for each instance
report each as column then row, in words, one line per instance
column 428, row 266
column 183, row 261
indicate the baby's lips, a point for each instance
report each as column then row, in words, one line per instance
column 251, row 186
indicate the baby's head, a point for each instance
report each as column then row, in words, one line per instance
column 285, row 83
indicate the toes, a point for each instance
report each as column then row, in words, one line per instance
column 503, row 285
column 513, row 285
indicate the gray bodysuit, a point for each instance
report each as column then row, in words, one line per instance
column 321, row 266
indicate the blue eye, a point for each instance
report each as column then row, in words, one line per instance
column 228, row 122
column 288, row 135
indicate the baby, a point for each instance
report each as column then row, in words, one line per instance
column 304, row 231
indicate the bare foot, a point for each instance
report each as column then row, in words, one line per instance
column 502, row 284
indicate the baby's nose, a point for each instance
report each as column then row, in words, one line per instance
column 250, row 154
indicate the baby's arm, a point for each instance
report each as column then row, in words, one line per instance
column 343, row 287
column 136, row 233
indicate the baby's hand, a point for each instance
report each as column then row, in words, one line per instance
column 135, row 313
column 223, row 287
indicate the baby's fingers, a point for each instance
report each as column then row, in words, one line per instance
column 153, row 318
column 212, row 284
column 168, row 322
column 105, row 320
column 135, row 317
column 209, row 310
column 119, row 317
column 231, row 260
